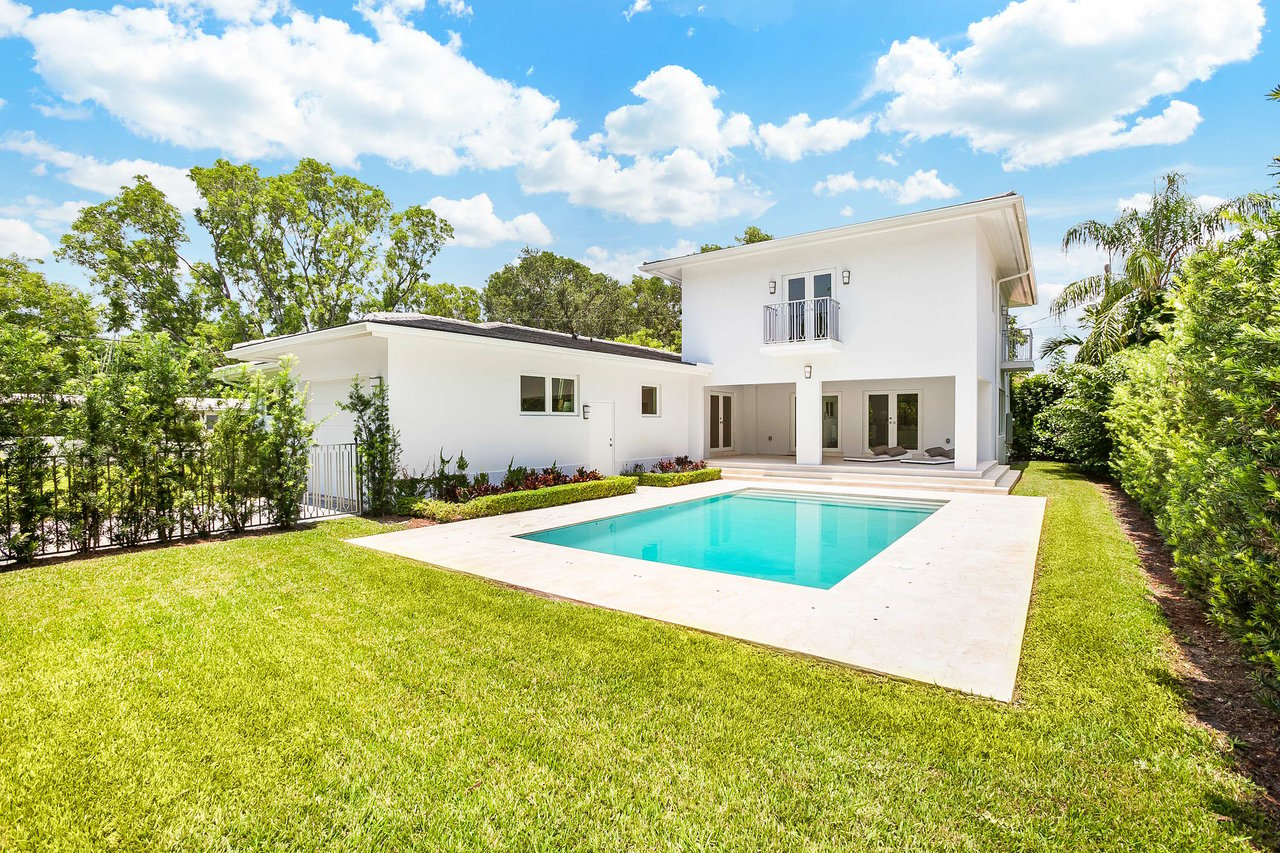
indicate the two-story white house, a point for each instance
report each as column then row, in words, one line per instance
column 810, row 349
column 891, row 332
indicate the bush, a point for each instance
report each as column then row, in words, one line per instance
column 679, row 478
column 377, row 442
column 677, row 465
column 1143, row 425
column 1032, row 394
column 505, row 502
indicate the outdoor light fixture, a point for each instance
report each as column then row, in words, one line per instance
column 808, row 371
column 773, row 286
column 586, row 411
column 844, row 276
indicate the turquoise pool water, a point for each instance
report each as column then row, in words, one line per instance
column 810, row 540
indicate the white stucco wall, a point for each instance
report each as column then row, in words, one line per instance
column 453, row 392
column 462, row 393
column 908, row 311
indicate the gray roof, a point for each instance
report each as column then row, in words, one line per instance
column 499, row 331
column 523, row 334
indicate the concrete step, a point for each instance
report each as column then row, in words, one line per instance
column 998, row 480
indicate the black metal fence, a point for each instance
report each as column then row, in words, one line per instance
column 58, row 502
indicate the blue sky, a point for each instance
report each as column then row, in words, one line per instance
column 620, row 131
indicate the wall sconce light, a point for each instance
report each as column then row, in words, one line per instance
column 773, row 286
column 586, row 411
column 808, row 371
column 844, row 276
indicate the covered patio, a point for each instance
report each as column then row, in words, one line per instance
column 833, row 423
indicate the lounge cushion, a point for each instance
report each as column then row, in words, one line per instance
column 896, row 450
column 936, row 451
column 880, row 450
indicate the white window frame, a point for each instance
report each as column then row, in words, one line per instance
column 546, row 394
column 657, row 401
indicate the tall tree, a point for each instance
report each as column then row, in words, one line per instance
column 30, row 302
column 750, row 234
column 132, row 246
column 312, row 248
column 655, row 312
column 457, row 302
column 548, row 291
column 1125, row 303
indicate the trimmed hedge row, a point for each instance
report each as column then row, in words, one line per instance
column 519, row 501
column 679, row 478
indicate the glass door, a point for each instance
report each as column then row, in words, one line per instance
column 821, row 305
column 907, row 420
column 878, row 420
column 830, row 422
column 893, row 418
column 797, row 292
column 720, row 422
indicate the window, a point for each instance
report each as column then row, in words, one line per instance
column 533, row 393
column 649, row 400
column 536, row 392
column 562, row 396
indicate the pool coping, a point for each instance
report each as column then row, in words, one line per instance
column 945, row 604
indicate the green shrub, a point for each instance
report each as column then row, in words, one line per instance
column 679, row 478
column 377, row 443
column 1143, row 425
column 1032, row 394
column 506, row 502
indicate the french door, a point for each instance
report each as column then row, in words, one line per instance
column 893, row 418
column 808, row 306
column 720, row 422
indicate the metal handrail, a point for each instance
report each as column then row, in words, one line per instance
column 1015, row 345
column 802, row 320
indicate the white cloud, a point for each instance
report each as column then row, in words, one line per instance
column 475, row 224
column 46, row 214
column 689, row 33
column 457, row 8
column 624, row 264
column 18, row 237
column 887, row 159
column 678, row 111
column 90, row 173
column 636, row 8
column 801, row 135
column 301, row 85
column 1142, row 202
column 918, row 185
column 12, row 17
column 67, row 112
column 1046, row 80
column 846, row 211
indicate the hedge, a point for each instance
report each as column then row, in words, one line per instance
column 520, row 501
column 679, row 478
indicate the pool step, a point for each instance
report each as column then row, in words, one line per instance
column 995, row 480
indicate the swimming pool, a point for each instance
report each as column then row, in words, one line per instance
column 808, row 540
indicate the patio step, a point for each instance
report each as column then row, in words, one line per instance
column 996, row 480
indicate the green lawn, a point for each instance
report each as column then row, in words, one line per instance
column 294, row 691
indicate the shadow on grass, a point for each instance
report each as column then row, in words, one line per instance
column 1221, row 688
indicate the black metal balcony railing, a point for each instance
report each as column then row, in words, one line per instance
column 1015, row 345
column 802, row 320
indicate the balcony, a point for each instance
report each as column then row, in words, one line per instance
column 802, row 326
column 1016, row 352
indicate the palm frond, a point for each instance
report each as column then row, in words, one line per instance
column 1082, row 292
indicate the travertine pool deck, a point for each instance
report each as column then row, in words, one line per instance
column 945, row 604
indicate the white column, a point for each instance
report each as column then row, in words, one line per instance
column 698, row 429
column 809, row 421
column 966, row 437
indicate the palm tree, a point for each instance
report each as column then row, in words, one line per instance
column 1125, row 304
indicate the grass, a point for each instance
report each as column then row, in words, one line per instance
column 294, row 691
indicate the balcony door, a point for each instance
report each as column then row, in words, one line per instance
column 809, row 305
column 893, row 418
